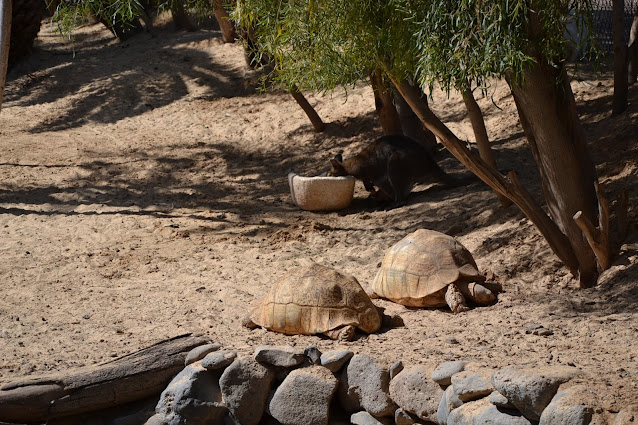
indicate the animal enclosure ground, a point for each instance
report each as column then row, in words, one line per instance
column 143, row 195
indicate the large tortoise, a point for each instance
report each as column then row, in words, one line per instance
column 430, row 269
column 315, row 299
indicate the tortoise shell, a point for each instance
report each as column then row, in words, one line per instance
column 316, row 299
column 417, row 270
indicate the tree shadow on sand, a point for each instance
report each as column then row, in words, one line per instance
column 109, row 92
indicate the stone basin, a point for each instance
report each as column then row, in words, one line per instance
column 321, row 193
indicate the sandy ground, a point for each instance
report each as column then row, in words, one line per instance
column 143, row 195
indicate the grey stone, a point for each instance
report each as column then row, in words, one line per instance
column 627, row 415
column 334, row 360
column 313, row 354
column 482, row 412
column 365, row 418
column 192, row 397
column 499, row 400
column 395, row 369
column 568, row 407
column 401, row 417
column 416, row 393
column 529, row 389
column 449, row 401
column 245, row 385
column 304, row 397
column 155, row 420
column 364, row 386
column 442, row 411
column 443, row 373
column 472, row 385
column 282, row 356
column 219, row 359
column 198, row 353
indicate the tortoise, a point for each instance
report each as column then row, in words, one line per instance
column 430, row 269
column 315, row 299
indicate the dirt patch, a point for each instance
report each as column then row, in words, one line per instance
column 144, row 194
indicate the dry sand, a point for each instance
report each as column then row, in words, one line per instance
column 143, row 195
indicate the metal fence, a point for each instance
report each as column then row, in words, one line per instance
column 602, row 21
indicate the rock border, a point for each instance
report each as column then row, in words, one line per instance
column 283, row 385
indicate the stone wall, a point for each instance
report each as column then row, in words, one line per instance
column 280, row 385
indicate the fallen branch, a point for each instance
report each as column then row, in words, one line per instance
column 123, row 380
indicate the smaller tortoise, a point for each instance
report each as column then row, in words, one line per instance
column 315, row 299
column 430, row 269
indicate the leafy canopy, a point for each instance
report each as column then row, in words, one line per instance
column 323, row 44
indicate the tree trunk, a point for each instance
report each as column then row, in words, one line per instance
column 619, row 103
column 412, row 125
column 480, row 134
column 384, row 104
column 632, row 52
column 180, row 18
column 5, row 34
column 548, row 115
column 226, row 26
column 314, row 117
column 511, row 189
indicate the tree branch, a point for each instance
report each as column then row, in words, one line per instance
column 598, row 237
column 512, row 190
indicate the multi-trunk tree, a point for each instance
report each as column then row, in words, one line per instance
column 324, row 44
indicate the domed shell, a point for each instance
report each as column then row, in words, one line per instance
column 417, row 270
column 316, row 299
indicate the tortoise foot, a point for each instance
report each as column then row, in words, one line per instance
column 454, row 298
column 345, row 333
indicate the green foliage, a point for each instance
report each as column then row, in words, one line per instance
column 324, row 44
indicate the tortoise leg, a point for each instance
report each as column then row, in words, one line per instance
column 345, row 333
column 454, row 298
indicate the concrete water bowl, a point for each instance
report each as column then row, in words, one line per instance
column 321, row 193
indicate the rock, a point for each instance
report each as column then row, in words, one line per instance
column 472, row 385
column 192, row 397
column 313, row 355
column 442, row 411
column 365, row 418
column 401, row 417
column 499, row 400
column 449, row 401
column 537, row 329
column 395, row 369
column 304, row 397
column 283, row 356
column 482, row 412
column 198, row 353
column 416, row 393
column 334, row 360
column 219, row 359
column 155, row 420
column 443, row 373
column 245, row 385
column 627, row 416
column 568, row 407
column 530, row 390
column 364, row 386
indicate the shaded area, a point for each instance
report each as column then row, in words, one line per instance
column 102, row 94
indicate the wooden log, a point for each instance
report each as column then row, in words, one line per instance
column 125, row 379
